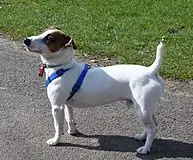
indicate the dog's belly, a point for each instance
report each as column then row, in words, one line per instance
column 102, row 87
column 95, row 100
column 101, row 93
column 83, row 104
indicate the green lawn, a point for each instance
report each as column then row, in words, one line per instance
column 126, row 29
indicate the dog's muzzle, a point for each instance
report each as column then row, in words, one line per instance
column 27, row 42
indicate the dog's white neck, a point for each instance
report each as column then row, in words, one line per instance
column 64, row 56
column 61, row 59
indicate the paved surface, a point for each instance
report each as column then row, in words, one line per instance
column 107, row 132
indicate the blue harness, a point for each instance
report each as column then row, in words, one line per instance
column 78, row 83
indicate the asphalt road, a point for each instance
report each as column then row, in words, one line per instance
column 106, row 132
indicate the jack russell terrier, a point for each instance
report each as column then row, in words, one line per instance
column 71, row 84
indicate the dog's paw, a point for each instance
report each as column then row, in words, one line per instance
column 140, row 137
column 52, row 141
column 143, row 150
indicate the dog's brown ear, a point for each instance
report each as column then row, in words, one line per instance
column 74, row 45
column 55, row 27
column 68, row 41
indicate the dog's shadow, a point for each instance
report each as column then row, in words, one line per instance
column 161, row 147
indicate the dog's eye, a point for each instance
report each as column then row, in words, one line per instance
column 50, row 38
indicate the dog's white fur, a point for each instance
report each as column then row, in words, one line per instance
column 103, row 85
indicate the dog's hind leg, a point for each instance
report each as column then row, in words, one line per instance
column 69, row 116
column 149, row 130
column 58, row 115
column 142, row 136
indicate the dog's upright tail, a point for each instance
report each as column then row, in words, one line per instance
column 159, row 55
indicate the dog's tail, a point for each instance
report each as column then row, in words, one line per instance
column 159, row 55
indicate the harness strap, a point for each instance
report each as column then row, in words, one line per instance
column 55, row 75
column 79, row 81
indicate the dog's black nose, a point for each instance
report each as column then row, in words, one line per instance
column 27, row 41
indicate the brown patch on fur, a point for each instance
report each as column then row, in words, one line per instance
column 58, row 40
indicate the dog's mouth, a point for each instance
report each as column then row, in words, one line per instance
column 32, row 50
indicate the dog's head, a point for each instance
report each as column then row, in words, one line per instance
column 49, row 42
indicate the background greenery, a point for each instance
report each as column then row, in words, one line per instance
column 128, row 30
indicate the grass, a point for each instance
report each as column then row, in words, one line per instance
column 127, row 30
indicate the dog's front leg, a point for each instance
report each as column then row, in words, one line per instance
column 69, row 116
column 57, row 113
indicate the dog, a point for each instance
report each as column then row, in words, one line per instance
column 138, row 84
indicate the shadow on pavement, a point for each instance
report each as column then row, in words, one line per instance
column 160, row 149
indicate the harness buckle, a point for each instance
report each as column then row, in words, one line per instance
column 60, row 72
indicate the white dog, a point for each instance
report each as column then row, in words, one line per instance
column 103, row 85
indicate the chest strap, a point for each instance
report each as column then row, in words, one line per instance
column 55, row 75
column 78, row 83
